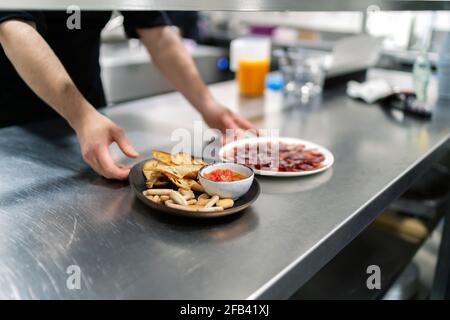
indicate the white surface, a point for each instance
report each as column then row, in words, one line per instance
column 369, row 91
column 328, row 162
column 349, row 22
column 354, row 53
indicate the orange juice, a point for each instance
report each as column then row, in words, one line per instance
column 251, row 75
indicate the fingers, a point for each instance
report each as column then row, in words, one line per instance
column 108, row 168
column 239, row 126
column 101, row 162
column 243, row 123
column 95, row 137
column 228, row 121
column 234, row 121
column 247, row 125
column 119, row 137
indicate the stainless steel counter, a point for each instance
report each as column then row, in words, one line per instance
column 55, row 212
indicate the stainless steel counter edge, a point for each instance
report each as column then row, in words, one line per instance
column 281, row 286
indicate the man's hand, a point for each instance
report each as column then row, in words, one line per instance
column 95, row 133
column 169, row 54
column 41, row 69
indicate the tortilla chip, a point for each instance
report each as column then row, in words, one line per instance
column 152, row 178
column 162, row 181
column 199, row 162
column 169, row 171
column 180, row 172
column 150, row 165
column 188, row 171
column 150, row 174
column 194, row 185
column 181, row 183
column 180, row 169
column 162, row 156
column 181, row 158
column 150, row 183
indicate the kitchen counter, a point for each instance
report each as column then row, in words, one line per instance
column 55, row 212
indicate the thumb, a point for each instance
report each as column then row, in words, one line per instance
column 123, row 143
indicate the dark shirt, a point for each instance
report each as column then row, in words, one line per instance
column 78, row 50
column 187, row 22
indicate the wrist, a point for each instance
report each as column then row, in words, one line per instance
column 206, row 103
column 80, row 116
column 202, row 101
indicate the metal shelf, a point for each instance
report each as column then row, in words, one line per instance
column 233, row 5
column 344, row 277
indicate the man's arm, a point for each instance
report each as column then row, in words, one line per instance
column 42, row 71
column 169, row 54
column 38, row 66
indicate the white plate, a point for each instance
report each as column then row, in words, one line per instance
column 328, row 162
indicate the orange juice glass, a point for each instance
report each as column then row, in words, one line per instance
column 250, row 59
column 251, row 76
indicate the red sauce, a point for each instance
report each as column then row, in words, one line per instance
column 224, row 175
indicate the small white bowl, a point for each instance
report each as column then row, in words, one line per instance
column 224, row 189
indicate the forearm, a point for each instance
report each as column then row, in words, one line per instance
column 42, row 71
column 169, row 54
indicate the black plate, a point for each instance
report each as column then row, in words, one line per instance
column 137, row 183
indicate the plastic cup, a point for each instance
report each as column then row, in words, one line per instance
column 250, row 59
